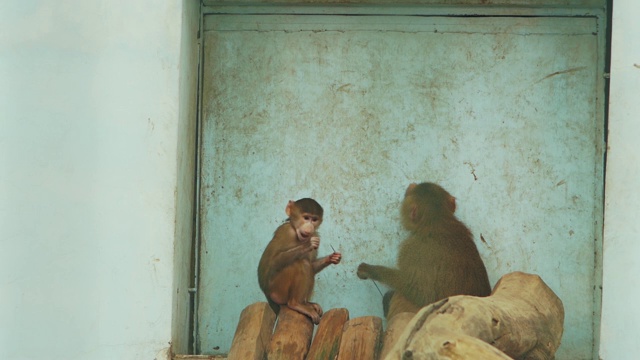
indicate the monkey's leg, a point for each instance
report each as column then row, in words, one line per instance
column 279, row 288
column 300, row 292
column 400, row 304
column 289, row 293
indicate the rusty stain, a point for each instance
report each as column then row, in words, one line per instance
column 568, row 71
column 473, row 170
column 345, row 87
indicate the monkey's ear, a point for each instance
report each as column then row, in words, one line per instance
column 414, row 212
column 451, row 204
column 410, row 188
column 288, row 208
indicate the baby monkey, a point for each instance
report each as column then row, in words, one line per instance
column 289, row 263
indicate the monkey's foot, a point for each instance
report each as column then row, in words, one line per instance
column 307, row 310
column 317, row 308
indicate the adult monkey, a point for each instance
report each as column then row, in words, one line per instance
column 289, row 263
column 437, row 260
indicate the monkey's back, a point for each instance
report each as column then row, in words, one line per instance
column 442, row 261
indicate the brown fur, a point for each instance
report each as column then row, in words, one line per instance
column 437, row 260
column 287, row 268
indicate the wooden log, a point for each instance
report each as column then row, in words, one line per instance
column 326, row 342
column 395, row 327
column 361, row 338
column 449, row 345
column 292, row 336
column 522, row 318
column 253, row 333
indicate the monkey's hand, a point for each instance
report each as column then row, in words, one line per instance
column 335, row 258
column 364, row 271
column 314, row 242
column 320, row 264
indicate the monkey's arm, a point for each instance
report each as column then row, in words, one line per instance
column 286, row 257
column 382, row 274
column 395, row 279
column 322, row 263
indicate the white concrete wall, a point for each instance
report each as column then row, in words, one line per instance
column 187, row 134
column 621, row 263
column 89, row 138
column 89, row 130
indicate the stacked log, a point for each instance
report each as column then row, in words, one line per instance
column 329, row 334
column 253, row 332
column 337, row 337
column 522, row 319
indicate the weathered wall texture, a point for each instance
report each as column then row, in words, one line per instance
column 350, row 110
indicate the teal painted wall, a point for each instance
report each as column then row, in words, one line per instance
column 503, row 112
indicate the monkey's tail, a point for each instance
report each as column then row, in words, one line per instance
column 275, row 307
column 386, row 302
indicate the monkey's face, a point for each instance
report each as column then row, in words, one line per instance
column 306, row 226
column 304, row 219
